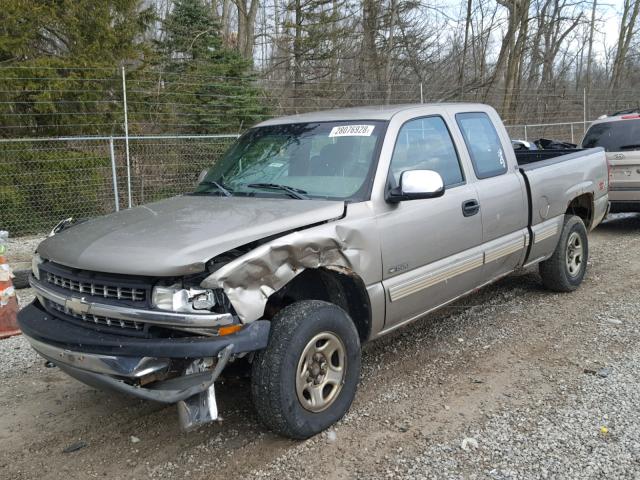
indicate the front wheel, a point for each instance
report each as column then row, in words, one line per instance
column 306, row 378
column 565, row 269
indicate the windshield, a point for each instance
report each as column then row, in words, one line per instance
column 614, row 136
column 332, row 160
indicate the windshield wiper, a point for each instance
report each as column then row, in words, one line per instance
column 219, row 186
column 629, row 147
column 294, row 192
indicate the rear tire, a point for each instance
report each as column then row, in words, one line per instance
column 565, row 269
column 306, row 378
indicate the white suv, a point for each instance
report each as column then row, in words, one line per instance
column 619, row 134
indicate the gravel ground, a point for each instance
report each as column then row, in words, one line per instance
column 16, row 356
column 21, row 249
column 513, row 382
column 586, row 430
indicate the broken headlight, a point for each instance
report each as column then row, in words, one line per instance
column 178, row 299
column 35, row 265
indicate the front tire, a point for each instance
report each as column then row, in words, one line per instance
column 306, row 378
column 565, row 269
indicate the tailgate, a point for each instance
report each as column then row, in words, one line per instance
column 625, row 170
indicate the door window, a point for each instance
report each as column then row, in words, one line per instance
column 483, row 144
column 425, row 144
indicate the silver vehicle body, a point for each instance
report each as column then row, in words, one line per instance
column 400, row 260
column 624, row 174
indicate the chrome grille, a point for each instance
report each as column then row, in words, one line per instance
column 97, row 319
column 97, row 289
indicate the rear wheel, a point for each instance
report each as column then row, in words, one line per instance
column 565, row 269
column 306, row 378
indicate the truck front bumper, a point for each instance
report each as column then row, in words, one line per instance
column 158, row 369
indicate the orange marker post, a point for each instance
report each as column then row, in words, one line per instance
column 8, row 303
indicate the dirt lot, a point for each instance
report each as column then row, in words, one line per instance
column 513, row 382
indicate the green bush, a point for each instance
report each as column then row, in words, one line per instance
column 40, row 187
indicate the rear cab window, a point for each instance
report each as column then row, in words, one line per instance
column 483, row 144
column 615, row 136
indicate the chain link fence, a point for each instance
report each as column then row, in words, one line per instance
column 571, row 132
column 45, row 180
column 116, row 137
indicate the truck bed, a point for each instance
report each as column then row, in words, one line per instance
column 526, row 157
column 554, row 177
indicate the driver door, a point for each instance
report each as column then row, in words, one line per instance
column 430, row 247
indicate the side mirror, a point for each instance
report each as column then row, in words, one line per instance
column 203, row 174
column 416, row 184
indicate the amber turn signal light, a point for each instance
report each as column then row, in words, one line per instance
column 229, row 329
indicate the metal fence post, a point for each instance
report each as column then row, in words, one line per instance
column 572, row 134
column 126, row 135
column 525, row 133
column 421, row 95
column 112, row 154
column 584, row 109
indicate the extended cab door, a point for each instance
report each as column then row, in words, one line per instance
column 430, row 247
column 501, row 193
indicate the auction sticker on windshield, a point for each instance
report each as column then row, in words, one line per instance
column 352, row 131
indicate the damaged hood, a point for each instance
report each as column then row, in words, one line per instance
column 179, row 235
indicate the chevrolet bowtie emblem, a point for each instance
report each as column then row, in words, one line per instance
column 78, row 305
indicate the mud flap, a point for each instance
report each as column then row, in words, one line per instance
column 198, row 409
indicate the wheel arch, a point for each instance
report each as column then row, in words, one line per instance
column 333, row 283
column 583, row 207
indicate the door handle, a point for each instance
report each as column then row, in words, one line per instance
column 470, row 207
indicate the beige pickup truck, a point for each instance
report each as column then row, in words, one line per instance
column 312, row 235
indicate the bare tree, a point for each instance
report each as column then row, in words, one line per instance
column 247, row 12
column 467, row 26
column 627, row 31
column 592, row 26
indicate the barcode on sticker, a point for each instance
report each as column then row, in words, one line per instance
column 352, row 131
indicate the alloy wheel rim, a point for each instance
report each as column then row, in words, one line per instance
column 321, row 371
column 574, row 255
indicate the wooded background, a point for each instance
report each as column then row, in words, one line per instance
column 213, row 66
column 174, row 75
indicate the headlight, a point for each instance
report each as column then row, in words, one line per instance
column 35, row 264
column 177, row 299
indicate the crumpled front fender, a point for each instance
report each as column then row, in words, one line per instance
column 251, row 279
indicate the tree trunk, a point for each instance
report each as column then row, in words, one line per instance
column 225, row 20
column 627, row 31
column 388, row 68
column 507, row 42
column 467, row 24
column 517, row 41
column 590, row 48
column 370, row 72
column 297, row 53
column 246, row 26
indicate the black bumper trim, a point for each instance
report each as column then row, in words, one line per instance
column 624, row 206
column 168, row 391
column 36, row 323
